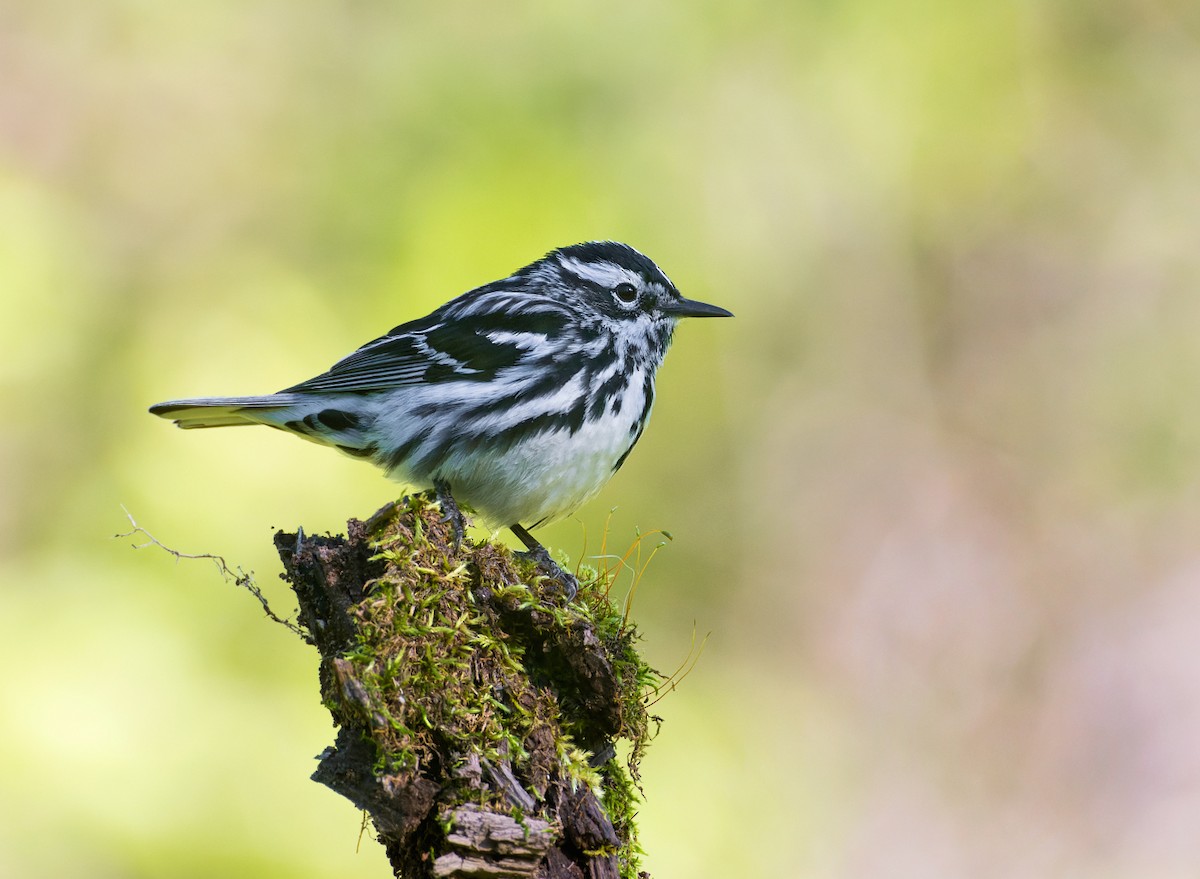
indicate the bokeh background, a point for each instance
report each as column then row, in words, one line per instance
column 935, row 491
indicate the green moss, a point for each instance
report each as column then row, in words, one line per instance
column 467, row 661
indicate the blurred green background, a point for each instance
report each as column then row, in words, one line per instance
column 935, row 491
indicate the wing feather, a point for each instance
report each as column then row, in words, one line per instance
column 472, row 338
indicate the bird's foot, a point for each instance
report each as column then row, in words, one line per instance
column 538, row 555
column 450, row 511
column 549, row 567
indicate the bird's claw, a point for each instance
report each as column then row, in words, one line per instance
column 451, row 512
column 549, row 567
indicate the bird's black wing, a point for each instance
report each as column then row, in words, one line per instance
column 471, row 338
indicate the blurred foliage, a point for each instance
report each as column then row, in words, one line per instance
column 935, row 490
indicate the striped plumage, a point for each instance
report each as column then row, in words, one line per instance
column 522, row 396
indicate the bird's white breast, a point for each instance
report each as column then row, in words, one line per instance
column 547, row 475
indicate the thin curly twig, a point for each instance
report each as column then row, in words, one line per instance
column 238, row 576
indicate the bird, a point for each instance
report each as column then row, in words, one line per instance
column 518, row 399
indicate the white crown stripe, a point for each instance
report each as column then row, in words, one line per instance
column 602, row 274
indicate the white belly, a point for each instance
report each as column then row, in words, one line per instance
column 546, row 476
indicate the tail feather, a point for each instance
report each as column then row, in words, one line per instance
column 343, row 424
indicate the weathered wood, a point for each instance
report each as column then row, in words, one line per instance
column 476, row 714
column 492, row 844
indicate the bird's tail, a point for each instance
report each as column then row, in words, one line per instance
column 223, row 411
column 343, row 423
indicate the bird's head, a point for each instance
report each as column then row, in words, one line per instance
column 616, row 285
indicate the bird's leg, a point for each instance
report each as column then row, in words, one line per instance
column 450, row 511
column 538, row 554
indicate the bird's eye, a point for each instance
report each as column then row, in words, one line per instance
column 627, row 293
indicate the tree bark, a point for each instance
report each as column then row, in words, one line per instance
column 477, row 711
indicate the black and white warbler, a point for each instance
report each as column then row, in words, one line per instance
column 519, row 399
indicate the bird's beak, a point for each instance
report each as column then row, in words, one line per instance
column 691, row 308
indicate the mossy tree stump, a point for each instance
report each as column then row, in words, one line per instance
column 477, row 711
